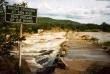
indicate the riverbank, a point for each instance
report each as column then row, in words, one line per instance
column 9, row 65
column 81, row 54
column 82, row 66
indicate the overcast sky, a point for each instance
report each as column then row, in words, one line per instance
column 84, row 11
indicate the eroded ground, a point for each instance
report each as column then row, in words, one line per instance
column 80, row 55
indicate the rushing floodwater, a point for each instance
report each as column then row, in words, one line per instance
column 102, row 36
column 83, row 50
column 80, row 49
column 36, row 43
column 96, row 55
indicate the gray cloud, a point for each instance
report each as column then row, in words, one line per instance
column 86, row 11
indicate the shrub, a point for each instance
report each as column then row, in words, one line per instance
column 107, row 43
column 94, row 68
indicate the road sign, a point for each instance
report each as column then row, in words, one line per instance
column 17, row 14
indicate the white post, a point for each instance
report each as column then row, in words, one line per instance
column 20, row 45
column 20, row 55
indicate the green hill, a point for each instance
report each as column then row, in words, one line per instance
column 44, row 20
column 48, row 23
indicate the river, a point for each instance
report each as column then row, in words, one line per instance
column 34, row 47
column 84, row 50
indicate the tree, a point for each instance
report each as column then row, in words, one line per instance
column 1, row 10
column 23, row 4
column 105, row 27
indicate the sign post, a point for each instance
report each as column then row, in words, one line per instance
column 20, row 57
column 17, row 14
column 21, row 15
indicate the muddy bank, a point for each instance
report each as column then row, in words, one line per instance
column 84, row 67
column 78, row 48
column 9, row 65
column 102, row 36
column 81, row 54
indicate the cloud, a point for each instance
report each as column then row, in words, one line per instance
column 86, row 11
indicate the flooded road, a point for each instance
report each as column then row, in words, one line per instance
column 83, row 50
column 40, row 50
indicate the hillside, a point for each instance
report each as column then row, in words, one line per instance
column 44, row 20
column 48, row 23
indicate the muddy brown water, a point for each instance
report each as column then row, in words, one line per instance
column 83, row 50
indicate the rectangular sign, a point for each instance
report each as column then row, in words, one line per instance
column 17, row 14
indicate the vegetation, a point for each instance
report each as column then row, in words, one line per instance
column 9, row 65
column 105, row 27
column 94, row 68
column 98, row 68
column 48, row 23
column 107, row 43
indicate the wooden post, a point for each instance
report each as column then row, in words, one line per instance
column 20, row 55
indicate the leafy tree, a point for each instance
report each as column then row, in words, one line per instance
column 105, row 27
column 23, row 4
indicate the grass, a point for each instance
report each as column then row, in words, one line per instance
column 107, row 43
column 94, row 68
column 98, row 68
column 9, row 65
